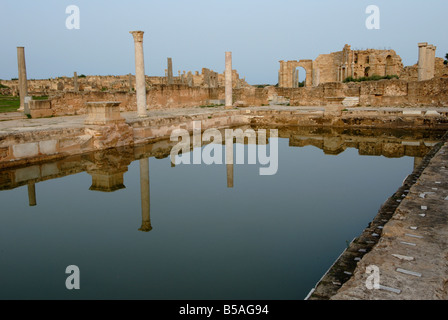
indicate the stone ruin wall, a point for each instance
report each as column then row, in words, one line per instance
column 42, row 87
column 323, row 86
column 410, row 73
column 398, row 93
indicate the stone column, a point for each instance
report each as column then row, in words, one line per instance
column 170, row 71
column 316, row 77
column 144, row 192
column 228, row 76
column 296, row 78
column 130, row 82
column 422, row 61
column 75, row 82
column 140, row 82
column 23, row 85
column 31, row 194
column 189, row 79
column 430, row 61
column 280, row 75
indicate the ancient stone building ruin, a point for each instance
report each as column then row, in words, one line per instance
column 337, row 66
column 206, row 79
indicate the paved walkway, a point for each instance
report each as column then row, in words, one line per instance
column 412, row 254
column 13, row 122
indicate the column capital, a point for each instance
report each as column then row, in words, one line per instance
column 422, row 44
column 138, row 35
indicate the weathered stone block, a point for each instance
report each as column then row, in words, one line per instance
column 100, row 113
column 48, row 147
column 412, row 113
column 40, row 108
column 432, row 113
column 350, row 101
column 25, row 150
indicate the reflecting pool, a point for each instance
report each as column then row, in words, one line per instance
column 139, row 227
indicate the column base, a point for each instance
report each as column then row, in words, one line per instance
column 228, row 107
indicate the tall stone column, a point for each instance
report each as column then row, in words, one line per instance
column 130, row 82
column 430, row 61
column 316, row 77
column 190, row 79
column 75, row 82
column 296, row 79
column 140, row 82
column 170, row 70
column 23, row 85
column 144, row 192
column 280, row 75
column 228, row 82
column 422, row 61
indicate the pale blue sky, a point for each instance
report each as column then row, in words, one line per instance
column 196, row 33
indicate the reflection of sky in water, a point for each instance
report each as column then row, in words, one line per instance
column 268, row 237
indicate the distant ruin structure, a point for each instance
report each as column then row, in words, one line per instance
column 337, row 66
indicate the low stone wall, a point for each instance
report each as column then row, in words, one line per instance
column 158, row 97
column 371, row 93
column 44, row 143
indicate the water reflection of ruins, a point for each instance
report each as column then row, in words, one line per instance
column 107, row 167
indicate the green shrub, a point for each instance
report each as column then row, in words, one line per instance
column 371, row 78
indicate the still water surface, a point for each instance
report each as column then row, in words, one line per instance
column 267, row 237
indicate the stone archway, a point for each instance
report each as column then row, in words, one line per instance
column 299, row 77
column 367, row 72
column 389, row 66
column 287, row 73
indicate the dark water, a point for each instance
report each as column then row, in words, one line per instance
column 268, row 237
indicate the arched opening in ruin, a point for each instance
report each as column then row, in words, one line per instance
column 299, row 77
column 367, row 72
column 389, row 65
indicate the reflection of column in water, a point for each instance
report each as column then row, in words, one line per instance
column 229, row 159
column 229, row 175
column 144, row 190
column 32, row 194
column 417, row 161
